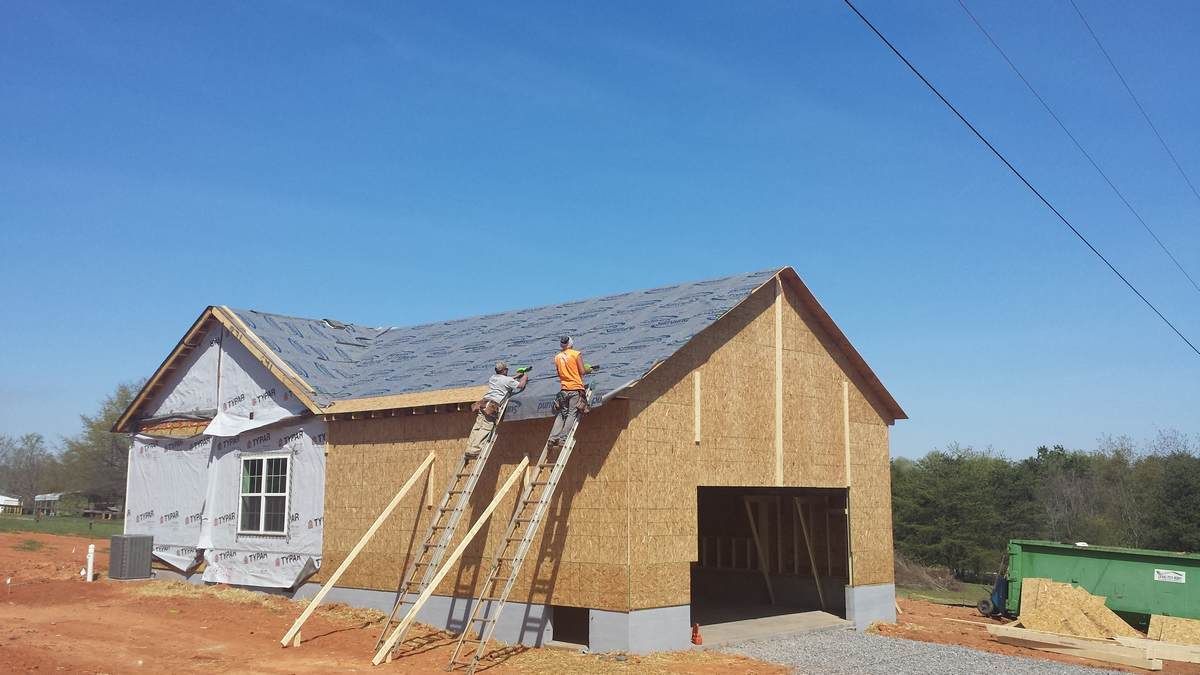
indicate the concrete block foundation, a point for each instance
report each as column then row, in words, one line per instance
column 867, row 604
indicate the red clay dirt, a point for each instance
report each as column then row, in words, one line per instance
column 51, row 621
column 926, row 621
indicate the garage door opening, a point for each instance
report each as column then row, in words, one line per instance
column 769, row 551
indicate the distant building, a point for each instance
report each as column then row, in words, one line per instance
column 10, row 504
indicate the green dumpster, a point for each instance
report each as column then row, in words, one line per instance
column 1135, row 581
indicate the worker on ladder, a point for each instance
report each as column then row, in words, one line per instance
column 571, row 401
column 487, row 410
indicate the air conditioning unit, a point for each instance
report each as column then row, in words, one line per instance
column 129, row 556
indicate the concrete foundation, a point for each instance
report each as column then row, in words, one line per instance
column 867, row 604
column 641, row 631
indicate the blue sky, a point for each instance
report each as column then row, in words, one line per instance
column 388, row 164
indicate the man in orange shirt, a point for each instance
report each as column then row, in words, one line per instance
column 570, row 402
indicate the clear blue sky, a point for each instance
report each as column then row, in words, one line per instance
column 387, row 165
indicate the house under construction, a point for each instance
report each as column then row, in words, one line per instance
column 735, row 461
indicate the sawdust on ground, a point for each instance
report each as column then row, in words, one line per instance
column 926, row 621
column 50, row 620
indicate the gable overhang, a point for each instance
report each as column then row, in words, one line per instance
column 192, row 339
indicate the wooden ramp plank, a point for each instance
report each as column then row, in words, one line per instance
column 411, row 616
column 293, row 634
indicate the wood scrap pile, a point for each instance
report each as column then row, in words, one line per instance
column 1065, row 619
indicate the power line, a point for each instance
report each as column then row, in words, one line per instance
column 1078, row 145
column 1136, row 102
column 1017, row 173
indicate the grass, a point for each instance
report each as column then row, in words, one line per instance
column 29, row 545
column 70, row 525
column 965, row 594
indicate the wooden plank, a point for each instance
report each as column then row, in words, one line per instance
column 1175, row 629
column 1157, row 649
column 778, row 534
column 812, row 559
column 420, row 399
column 778, row 380
column 763, row 556
column 450, row 561
column 294, row 631
column 846, row 427
column 1086, row 648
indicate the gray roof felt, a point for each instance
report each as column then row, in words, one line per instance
column 625, row 334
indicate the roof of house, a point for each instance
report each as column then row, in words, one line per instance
column 9, row 501
column 343, row 367
column 625, row 334
column 48, row 497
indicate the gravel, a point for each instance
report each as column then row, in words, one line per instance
column 847, row 651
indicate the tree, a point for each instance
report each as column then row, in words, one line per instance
column 96, row 460
column 27, row 467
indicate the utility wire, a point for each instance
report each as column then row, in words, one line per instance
column 1078, row 145
column 1017, row 173
column 1136, row 102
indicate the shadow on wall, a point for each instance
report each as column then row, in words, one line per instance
column 597, row 436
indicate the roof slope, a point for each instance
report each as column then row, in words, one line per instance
column 627, row 334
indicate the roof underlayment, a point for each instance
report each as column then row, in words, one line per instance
column 625, row 334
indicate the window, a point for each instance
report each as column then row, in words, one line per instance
column 263, row 507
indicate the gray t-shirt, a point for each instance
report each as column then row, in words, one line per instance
column 499, row 386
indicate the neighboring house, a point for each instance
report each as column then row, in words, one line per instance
column 47, row 504
column 724, row 410
column 10, row 505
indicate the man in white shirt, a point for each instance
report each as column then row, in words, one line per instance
column 500, row 387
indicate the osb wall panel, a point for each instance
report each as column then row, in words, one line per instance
column 736, row 361
column 577, row 561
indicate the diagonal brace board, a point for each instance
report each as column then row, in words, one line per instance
column 812, row 559
column 513, row 477
column 294, row 631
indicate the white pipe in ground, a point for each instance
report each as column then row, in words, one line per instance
column 91, row 559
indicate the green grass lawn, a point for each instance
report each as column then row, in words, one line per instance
column 968, row 594
column 78, row 526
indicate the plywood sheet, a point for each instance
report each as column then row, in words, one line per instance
column 1175, row 629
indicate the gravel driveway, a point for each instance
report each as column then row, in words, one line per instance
column 847, row 651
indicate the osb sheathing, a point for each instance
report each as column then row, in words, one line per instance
column 736, row 361
column 577, row 562
column 630, row 489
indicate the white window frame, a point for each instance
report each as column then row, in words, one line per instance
column 263, row 494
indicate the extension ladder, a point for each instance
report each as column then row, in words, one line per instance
column 527, row 517
column 424, row 565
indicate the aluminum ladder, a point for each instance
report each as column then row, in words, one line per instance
column 527, row 518
column 428, row 558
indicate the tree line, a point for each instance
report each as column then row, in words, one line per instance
column 92, row 462
column 958, row 507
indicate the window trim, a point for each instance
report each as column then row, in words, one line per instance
column 263, row 494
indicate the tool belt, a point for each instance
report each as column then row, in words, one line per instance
column 560, row 401
column 488, row 408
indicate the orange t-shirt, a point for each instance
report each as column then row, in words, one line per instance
column 569, row 364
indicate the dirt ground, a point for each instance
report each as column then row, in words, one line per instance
column 51, row 621
column 927, row 622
